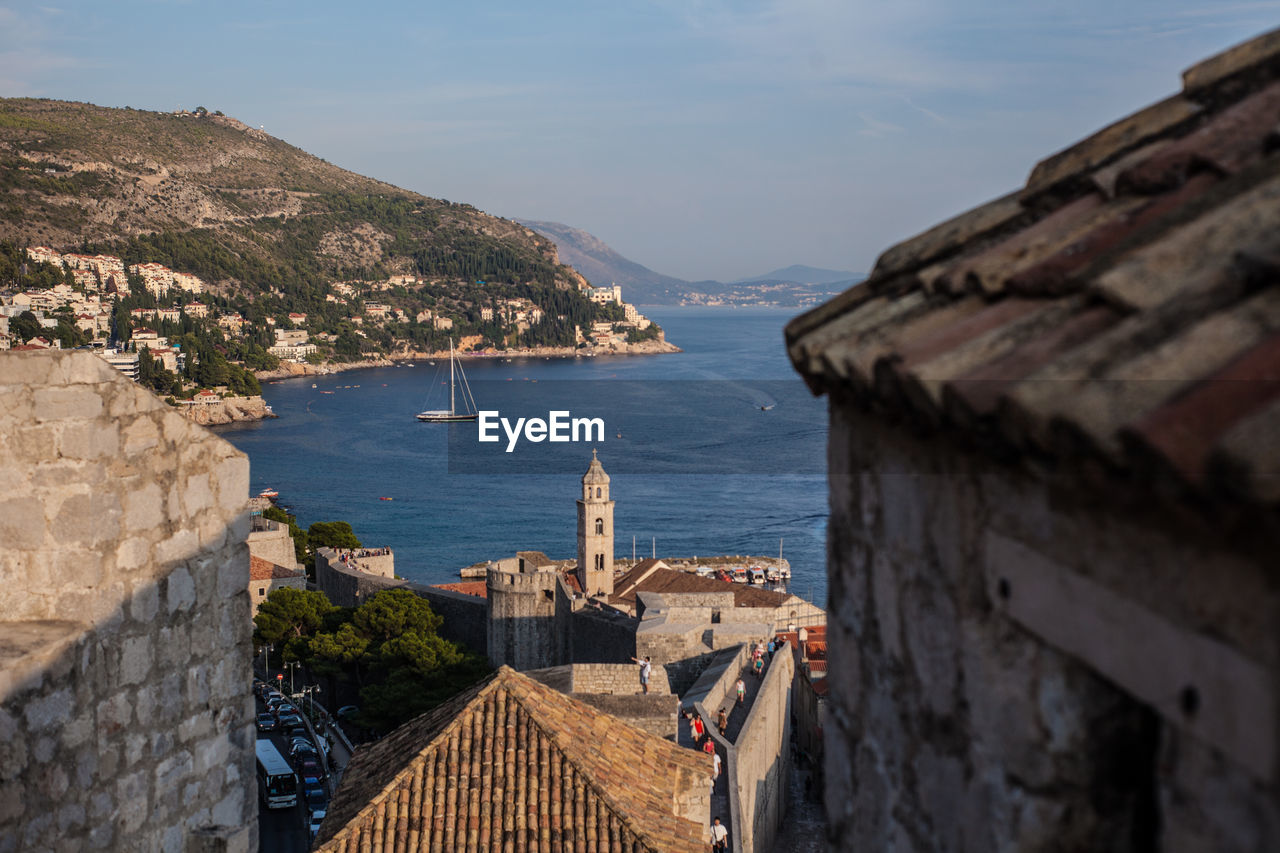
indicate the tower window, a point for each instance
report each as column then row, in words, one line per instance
column 599, row 525
column 600, row 561
column 597, row 491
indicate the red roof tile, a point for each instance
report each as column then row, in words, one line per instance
column 263, row 570
column 1122, row 305
column 673, row 581
column 480, row 589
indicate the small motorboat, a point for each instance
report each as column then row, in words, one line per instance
column 386, row 499
column 269, row 493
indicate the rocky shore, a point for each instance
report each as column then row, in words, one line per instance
column 290, row 369
column 226, row 411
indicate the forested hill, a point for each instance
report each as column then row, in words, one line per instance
column 206, row 194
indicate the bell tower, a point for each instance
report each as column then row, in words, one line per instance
column 595, row 532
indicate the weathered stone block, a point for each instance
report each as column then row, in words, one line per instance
column 22, row 524
column 136, row 659
column 180, row 589
column 47, row 712
column 66, row 404
column 142, row 508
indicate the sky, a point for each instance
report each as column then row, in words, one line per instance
column 702, row 138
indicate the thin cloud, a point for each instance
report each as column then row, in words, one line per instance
column 877, row 127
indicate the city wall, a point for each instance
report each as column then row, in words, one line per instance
column 126, row 720
column 762, row 758
column 601, row 637
column 465, row 616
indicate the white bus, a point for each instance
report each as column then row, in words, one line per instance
column 276, row 779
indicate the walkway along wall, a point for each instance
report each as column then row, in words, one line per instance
column 762, row 760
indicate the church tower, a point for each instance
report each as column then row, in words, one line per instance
column 595, row 532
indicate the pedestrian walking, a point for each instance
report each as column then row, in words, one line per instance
column 758, row 667
column 722, row 722
column 773, row 647
column 709, row 746
column 742, row 691
column 719, row 836
column 716, row 757
column 698, row 728
column 646, row 667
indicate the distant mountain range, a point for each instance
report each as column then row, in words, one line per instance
column 796, row 285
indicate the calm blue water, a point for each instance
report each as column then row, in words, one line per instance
column 733, row 479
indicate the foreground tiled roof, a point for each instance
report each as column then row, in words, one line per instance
column 673, row 581
column 265, row 570
column 1121, row 308
column 513, row 764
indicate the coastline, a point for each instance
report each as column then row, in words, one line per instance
column 292, row 370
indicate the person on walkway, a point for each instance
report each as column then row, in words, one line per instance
column 646, row 667
column 716, row 757
column 698, row 728
column 773, row 647
column 722, row 722
column 758, row 667
column 719, row 836
column 709, row 746
column 742, row 691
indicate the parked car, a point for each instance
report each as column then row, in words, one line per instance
column 317, row 818
column 266, row 722
column 315, row 800
column 299, row 731
column 308, row 766
column 302, row 743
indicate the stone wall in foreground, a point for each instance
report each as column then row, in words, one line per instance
column 1016, row 665
column 126, row 720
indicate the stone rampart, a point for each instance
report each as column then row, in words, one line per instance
column 762, row 758
column 622, row 679
column 465, row 616
column 601, row 637
column 345, row 586
column 125, row 713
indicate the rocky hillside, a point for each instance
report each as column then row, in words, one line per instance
column 208, row 194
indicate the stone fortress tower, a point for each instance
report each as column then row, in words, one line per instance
column 595, row 532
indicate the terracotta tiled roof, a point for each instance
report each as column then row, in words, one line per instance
column 571, row 581
column 264, row 570
column 673, row 581
column 537, row 559
column 1123, row 306
column 509, row 764
column 480, row 589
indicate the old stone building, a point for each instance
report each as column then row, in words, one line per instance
column 1053, row 474
column 265, row 577
column 125, row 716
column 514, row 764
column 595, row 531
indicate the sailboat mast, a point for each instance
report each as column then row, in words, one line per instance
column 451, row 376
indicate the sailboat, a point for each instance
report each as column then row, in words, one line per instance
column 452, row 414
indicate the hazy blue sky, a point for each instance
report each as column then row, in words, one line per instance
column 700, row 138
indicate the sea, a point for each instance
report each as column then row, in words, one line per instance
column 717, row 450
